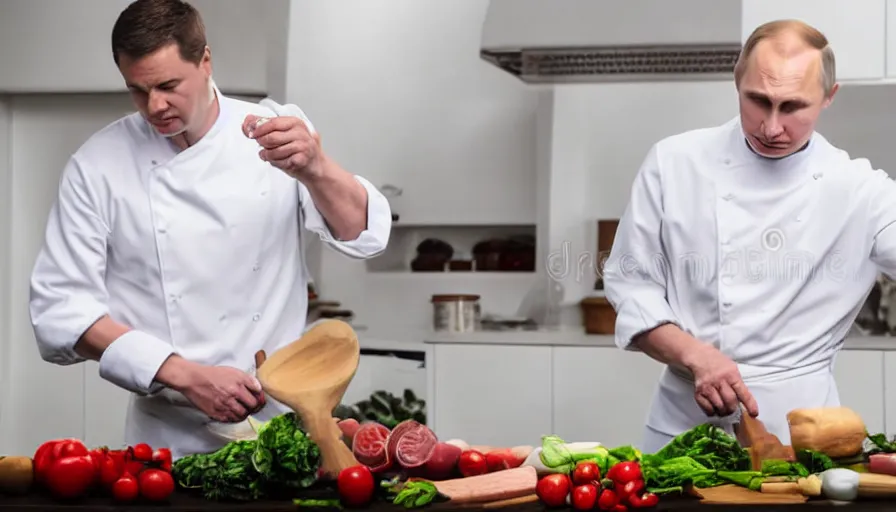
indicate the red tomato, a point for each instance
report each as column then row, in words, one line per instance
column 355, row 485
column 472, row 463
column 553, row 489
column 155, row 484
column 584, row 497
column 646, row 500
column 586, row 473
column 624, row 472
column 108, row 473
column 607, row 500
column 633, row 488
column 142, row 452
column 71, row 477
column 162, row 457
column 125, row 488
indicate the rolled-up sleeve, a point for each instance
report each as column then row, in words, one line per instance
column 371, row 242
column 68, row 293
column 633, row 280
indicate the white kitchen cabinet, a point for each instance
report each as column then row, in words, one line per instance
column 236, row 30
column 491, row 394
column 889, row 365
column 891, row 38
column 856, row 30
column 448, row 136
column 602, row 394
column 860, row 382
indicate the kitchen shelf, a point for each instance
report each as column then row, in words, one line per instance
column 405, row 239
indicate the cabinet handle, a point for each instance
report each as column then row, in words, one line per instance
column 390, row 190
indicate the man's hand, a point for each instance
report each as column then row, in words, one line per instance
column 221, row 392
column 287, row 144
column 719, row 388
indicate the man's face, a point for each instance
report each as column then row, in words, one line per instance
column 172, row 94
column 781, row 98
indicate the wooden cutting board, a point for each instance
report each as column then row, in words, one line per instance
column 737, row 495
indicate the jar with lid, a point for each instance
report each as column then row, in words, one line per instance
column 456, row 313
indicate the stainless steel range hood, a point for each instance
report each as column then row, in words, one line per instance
column 564, row 41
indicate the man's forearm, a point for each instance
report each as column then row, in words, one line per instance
column 341, row 200
column 98, row 337
column 173, row 373
column 670, row 345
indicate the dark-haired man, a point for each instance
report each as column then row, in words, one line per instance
column 173, row 252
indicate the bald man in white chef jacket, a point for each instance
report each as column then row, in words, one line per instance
column 173, row 250
column 748, row 249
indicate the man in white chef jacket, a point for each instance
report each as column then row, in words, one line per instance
column 747, row 249
column 173, row 251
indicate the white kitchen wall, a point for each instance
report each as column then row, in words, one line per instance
column 596, row 169
column 399, row 95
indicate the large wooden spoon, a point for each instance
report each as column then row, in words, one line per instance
column 310, row 375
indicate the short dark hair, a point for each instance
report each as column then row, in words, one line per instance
column 146, row 26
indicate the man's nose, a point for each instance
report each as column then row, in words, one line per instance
column 772, row 126
column 157, row 102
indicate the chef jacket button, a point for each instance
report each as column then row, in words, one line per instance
column 264, row 192
column 817, row 175
column 727, row 161
column 255, row 267
column 726, row 304
column 728, row 197
column 154, row 162
column 256, row 317
column 223, row 317
column 162, row 230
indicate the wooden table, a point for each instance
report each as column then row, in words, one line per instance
column 181, row 502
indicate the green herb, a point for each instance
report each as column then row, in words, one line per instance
column 227, row 474
column 282, row 460
column 318, row 503
column 285, row 455
column 411, row 494
column 880, row 444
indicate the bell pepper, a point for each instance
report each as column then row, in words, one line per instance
column 50, row 451
column 65, row 467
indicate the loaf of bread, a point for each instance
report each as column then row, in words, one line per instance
column 834, row 431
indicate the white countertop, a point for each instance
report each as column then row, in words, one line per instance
column 411, row 338
column 578, row 338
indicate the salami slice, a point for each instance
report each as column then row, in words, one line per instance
column 411, row 444
column 369, row 446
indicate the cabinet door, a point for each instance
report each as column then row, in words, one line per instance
column 856, row 30
column 492, row 394
column 602, row 394
column 891, row 38
column 860, row 383
column 889, row 394
column 400, row 97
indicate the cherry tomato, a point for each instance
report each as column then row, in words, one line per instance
column 355, row 485
column 646, row 500
column 607, row 500
column 142, row 452
column 584, row 497
column 472, row 463
column 624, row 472
column 553, row 489
column 125, row 488
column 155, row 484
column 633, row 488
column 586, row 473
